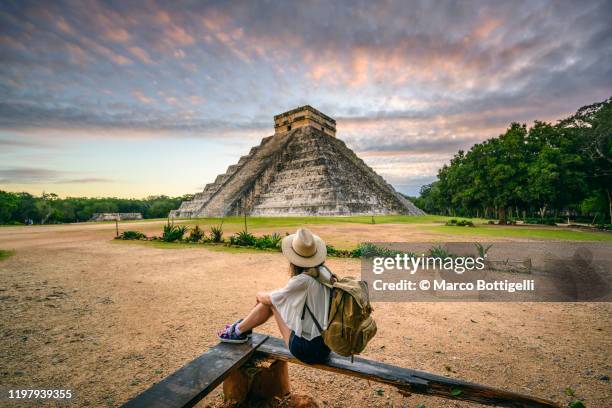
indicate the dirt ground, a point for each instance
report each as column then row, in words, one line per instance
column 109, row 319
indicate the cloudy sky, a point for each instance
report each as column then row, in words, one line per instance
column 143, row 97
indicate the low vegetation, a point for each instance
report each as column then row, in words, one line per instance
column 196, row 234
column 132, row 235
column 216, row 234
column 4, row 254
column 459, row 223
column 175, row 234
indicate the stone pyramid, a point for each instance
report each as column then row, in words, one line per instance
column 303, row 169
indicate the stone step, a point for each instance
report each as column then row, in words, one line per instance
column 259, row 158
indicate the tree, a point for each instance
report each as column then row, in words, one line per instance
column 9, row 203
column 545, row 168
column 593, row 126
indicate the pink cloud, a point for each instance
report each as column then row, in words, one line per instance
column 117, row 34
column 141, row 54
column 139, row 96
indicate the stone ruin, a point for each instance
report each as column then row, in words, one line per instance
column 303, row 169
column 115, row 216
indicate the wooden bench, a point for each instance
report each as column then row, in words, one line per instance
column 194, row 381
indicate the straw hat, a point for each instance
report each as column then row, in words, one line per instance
column 304, row 248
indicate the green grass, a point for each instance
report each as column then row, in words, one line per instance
column 263, row 222
column 125, row 221
column 5, row 254
column 545, row 233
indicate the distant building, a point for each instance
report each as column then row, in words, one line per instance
column 303, row 169
column 116, row 216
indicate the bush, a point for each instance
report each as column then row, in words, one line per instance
column 439, row 251
column 173, row 232
column 460, row 223
column 340, row 253
column 243, row 238
column 196, row 234
column 216, row 234
column 268, row 241
column 366, row 250
column 604, row 227
column 132, row 235
column 369, row 250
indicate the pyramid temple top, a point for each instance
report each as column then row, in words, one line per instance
column 304, row 116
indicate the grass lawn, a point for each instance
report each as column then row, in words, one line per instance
column 267, row 222
column 4, row 254
column 527, row 232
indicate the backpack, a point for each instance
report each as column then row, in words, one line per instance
column 349, row 325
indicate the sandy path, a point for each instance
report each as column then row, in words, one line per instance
column 108, row 319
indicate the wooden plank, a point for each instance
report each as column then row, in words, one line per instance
column 196, row 379
column 412, row 381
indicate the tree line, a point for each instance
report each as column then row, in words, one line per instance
column 48, row 208
column 546, row 170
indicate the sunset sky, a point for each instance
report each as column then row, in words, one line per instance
column 138, row 98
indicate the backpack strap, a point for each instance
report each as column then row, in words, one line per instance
column 316, row 322
column 314, row 274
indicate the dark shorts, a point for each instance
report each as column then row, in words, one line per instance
column 308, row 351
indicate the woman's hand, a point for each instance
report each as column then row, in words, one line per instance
column 264, row 297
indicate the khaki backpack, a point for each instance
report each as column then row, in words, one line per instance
column 349, row 325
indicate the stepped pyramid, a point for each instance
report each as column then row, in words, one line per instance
column 303, row 169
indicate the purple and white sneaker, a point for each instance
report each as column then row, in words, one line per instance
column 249, row 333
column 229, row 335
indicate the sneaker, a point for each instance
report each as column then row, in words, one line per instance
column 249, row 333
column 228, row 335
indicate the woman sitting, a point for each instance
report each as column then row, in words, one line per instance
column 300, row 308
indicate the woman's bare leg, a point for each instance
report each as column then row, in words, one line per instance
column 259, row 315
column 282, row 326
column 256, row 317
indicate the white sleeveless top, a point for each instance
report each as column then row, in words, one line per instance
column 289, row 301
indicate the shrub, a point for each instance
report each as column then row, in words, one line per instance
column 439, row 251
column 132, row 235
column 196, row 234
column 173, row 232
column 243, row 238
column 340, row 253
column 604, row 227
column 369, row 250
column 268, row 241
column 216, row 233
column 482, row 250
column 460, row 223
